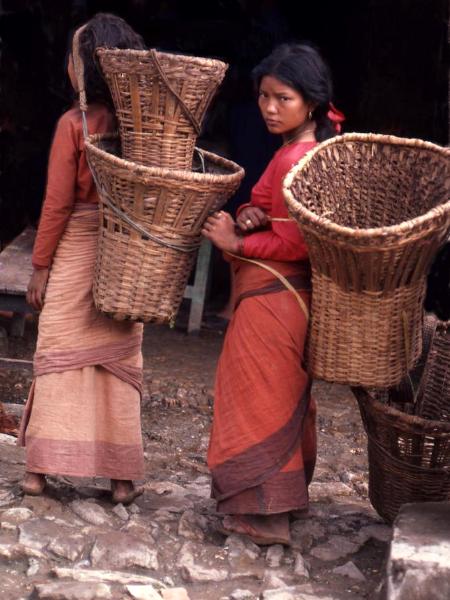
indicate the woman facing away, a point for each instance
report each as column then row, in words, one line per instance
column 82, row 417
column 263, row 441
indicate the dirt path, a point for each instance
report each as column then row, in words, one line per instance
column 169, row 533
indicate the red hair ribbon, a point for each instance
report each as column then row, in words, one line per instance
column 336, row 117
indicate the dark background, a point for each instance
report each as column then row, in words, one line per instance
column 388, row 59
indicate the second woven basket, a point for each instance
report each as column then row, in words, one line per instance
column 374, row 211
column 151, row 220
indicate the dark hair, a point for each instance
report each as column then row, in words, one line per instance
column 104, row 30
column 301, row 67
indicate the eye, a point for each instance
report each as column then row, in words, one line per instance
column 284, row 98
column 262, row 94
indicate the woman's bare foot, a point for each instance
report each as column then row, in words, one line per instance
column 261, row 529
column 33, row 484
column 124, row 492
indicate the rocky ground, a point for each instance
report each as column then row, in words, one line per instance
column 73, row 544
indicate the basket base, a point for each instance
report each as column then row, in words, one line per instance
column 365, row 339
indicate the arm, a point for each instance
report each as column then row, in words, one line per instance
column 58, row 203
column 60, row 193
column 286, row 243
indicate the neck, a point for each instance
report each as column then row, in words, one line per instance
column 303, row 133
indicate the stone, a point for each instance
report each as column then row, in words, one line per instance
column 274, row 555
column 273, row 580
column 305, row 533
column 242, row 595
column 165, row 487
column 192, row 526
column 70, row 546
column 382, row 533
column 350, row 570
column 91, row 512
column 16, row 515
column 87, row 575
column 335, row 548
column 37, row 533
column 119, row 550
column 18, row 551
column 6, row 497
column 10, row 440
column 178, row 593
column 143, row 592
column 33, row 567
column 419, row 560
column 238, row 545
column 196, row 562
column 328, row 490
column 120, row 511
column 300, row 567
column 42, row 505
column 73, row 591
column 280, row 594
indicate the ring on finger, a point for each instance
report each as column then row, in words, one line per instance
column 248, row 222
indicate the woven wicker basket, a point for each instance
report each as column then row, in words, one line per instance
column 160, row 101
column 151, row 221
column 374, row 211
column 433, row 398
column 409, row 457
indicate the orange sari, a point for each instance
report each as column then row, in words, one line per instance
column 263, row 442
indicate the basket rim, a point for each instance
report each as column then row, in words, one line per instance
column 349, row 233
column 183, row 58
column 144, row 173
column 426, row 425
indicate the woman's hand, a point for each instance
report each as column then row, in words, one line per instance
column 251, row 218
column 219, row 228
column 36, row 288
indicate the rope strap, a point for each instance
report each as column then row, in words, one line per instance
column 163, row 76
column 280, row 277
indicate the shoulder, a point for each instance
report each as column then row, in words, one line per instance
column 287, row 156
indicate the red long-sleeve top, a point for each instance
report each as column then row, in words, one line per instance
column 282, row 240
column 69, row 179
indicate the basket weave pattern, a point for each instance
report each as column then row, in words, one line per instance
column 374, row 211
column 409, row 457
column 160, row 101
column 143, row 279
column 434, row 394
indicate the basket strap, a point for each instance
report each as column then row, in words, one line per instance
column 146, row 234
column 280, row 277
column 79, row 72
column 163, row 76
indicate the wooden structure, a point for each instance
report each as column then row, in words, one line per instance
column 16, row 268
column 15, row 272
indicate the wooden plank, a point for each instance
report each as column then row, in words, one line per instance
column 15, row 264
column 15, row 363
column 197, row 292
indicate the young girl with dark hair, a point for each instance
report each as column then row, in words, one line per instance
column 82, row 417
column 263, row 442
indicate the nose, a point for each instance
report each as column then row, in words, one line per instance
column 271, row 107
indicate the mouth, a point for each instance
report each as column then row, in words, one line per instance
column 272, row 123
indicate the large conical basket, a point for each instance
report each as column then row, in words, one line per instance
column 374, row 211
column 160, row 101
column 151, row 220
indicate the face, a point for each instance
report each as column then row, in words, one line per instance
column 71, row 73
column 282, row 107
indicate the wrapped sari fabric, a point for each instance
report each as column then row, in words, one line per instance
column 263, row 441
column 82, row 417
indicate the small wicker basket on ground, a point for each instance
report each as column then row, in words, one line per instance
column 409, row 456
column 374, row 211
column 151, row 221
column 160, row 101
